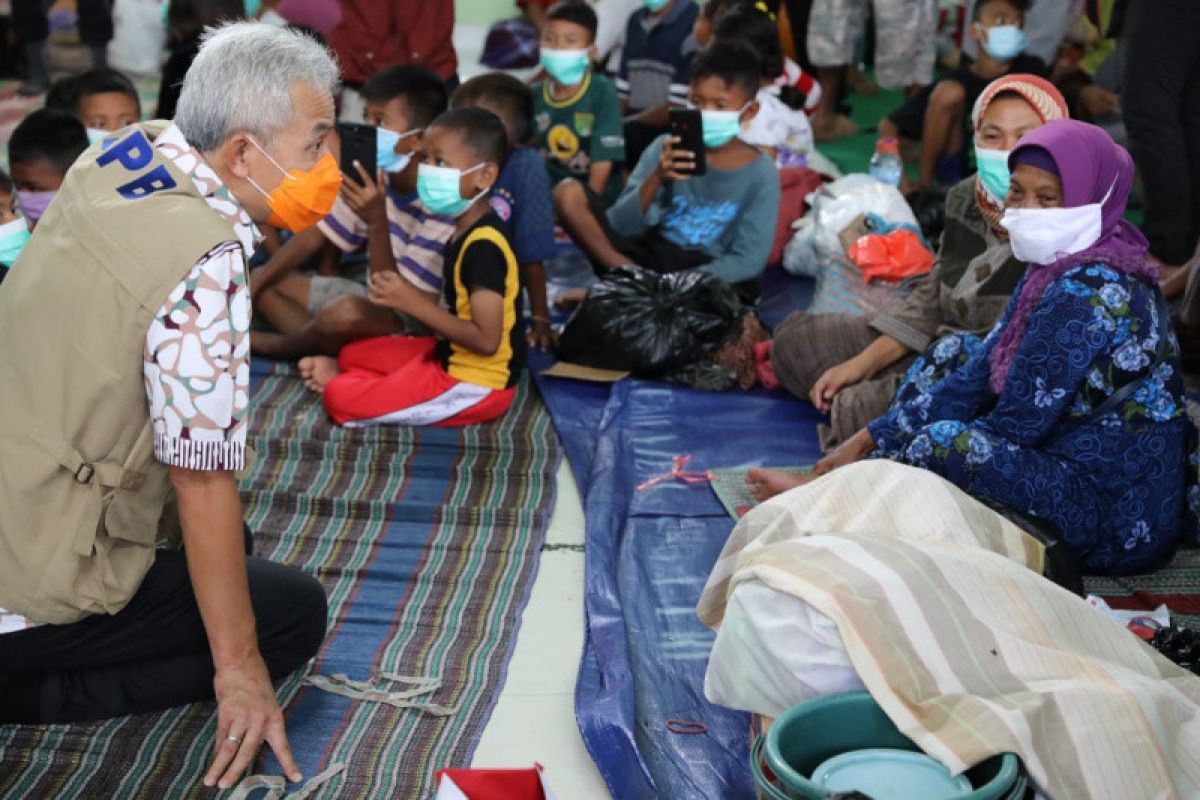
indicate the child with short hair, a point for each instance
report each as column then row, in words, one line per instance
column 521, row 195
column 577, row 117
column 103, row 99
column 468, row 373
column 319, row 314
column 14, row 231
column 668, row 219
column 42, row 148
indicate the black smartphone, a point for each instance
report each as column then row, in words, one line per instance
column 686, row 123
column 358, row 144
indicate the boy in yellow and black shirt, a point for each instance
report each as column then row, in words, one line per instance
column 467, row 373
column 577, row 117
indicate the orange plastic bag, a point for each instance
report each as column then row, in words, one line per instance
column 891, row 257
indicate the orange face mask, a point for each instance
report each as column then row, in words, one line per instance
column 304, row 198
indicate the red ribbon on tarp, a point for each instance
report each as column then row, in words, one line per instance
column 678, row 473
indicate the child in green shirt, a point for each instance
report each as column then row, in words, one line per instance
column 577, row 118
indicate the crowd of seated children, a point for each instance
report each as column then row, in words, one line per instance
column 653, row 73
column 521, row 194
column 667, row 219
column 577, row 116
column 849, row 365
column 467, row 372
column 318, row 314
column 42, row 148
column 936, row 116
column 103, row 99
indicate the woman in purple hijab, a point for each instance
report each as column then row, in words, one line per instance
column 1071, row 410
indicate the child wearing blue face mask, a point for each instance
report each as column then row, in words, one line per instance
column 521, row 195
column 576, row 114
column 14, row 232
column 467, row 373
column 42, row 148
column 937, row 116
column 667, row 219
column 381, row 213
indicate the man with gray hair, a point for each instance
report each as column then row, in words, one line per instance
column 123, row 418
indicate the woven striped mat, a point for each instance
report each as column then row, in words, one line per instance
column 1177, row 585
column 427, row 542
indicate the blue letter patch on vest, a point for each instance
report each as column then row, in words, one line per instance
column 153, row 181
column 135, row 152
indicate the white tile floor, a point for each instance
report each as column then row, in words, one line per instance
column 535, row 718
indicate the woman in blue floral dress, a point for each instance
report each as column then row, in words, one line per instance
column 1071, row 410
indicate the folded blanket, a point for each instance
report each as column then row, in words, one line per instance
column 947, row 620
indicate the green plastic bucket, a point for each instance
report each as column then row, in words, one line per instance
column 808, row 734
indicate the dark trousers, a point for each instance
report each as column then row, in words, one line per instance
column 153, row 654
column 94, row 19
column 1161, row 104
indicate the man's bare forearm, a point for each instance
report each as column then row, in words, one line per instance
column 210, row 511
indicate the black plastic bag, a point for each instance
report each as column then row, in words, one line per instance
column 649, row 323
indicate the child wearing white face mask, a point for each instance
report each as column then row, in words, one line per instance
column 936, row 116
column 382, row 214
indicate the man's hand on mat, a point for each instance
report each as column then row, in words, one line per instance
column 247, row 715
column 389, row 289
column 844, row 375
column 675, row 165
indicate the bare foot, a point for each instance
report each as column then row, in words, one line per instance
column 569, row 299
column 766, row 483
column 826, row 129
column 318, row 371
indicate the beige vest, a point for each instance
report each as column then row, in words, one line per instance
column 83, row 502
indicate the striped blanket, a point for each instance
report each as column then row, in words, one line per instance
column 969, row 651
column 426, row 541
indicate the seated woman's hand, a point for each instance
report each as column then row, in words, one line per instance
column 844, row 375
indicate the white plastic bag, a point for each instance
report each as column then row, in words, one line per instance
column 831, row 209
column 138, row 37
column 772, row 651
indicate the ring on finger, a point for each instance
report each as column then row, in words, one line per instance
column 234, row 739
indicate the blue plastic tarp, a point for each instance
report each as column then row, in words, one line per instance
column 648, row 554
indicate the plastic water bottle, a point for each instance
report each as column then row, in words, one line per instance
column 886, row 164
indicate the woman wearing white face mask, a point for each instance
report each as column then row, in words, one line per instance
column 850, row 365
column 1071, row 411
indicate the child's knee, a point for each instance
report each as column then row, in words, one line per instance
column 569, row 197
column 948, row 95
column 342, row 316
